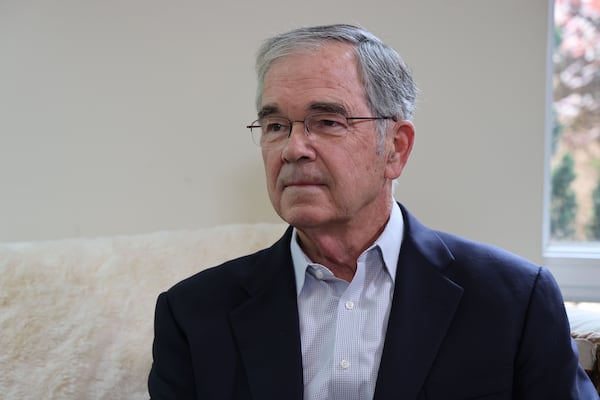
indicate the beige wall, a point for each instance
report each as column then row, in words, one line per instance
column 120, row 117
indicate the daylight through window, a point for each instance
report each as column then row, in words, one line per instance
column 575, row 160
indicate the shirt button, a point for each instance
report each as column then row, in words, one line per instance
column 349, row 305
column 319, row 274
column 345, row 364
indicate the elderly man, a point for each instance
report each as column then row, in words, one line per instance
column 357, row 300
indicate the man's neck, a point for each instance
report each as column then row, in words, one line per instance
column 338, row 247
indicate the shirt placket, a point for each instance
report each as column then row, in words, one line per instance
column 346, row 376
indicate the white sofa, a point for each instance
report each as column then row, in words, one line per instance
column 76, row 315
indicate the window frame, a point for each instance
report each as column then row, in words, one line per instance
column 576, row 266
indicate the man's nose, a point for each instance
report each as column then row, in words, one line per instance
column 297, row 145
column 298, row 126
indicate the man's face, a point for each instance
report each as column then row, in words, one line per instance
column 316, row 181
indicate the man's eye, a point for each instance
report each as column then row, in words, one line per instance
column 275, row 127
column 330, row 123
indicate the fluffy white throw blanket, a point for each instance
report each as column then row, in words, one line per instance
column 76, row 315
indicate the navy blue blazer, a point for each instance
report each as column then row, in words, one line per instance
column 468, row 321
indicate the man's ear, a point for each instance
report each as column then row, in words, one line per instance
column 402, row 139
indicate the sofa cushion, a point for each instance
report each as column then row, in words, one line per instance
column 76, row 315
column 585, row 329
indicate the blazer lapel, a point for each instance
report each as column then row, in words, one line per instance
column 423, row 307
column 266, row 327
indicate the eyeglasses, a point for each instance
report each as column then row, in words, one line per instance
column 271, row 130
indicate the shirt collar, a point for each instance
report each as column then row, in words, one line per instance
column 389, row 243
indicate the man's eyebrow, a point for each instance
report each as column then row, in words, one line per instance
column 335, row 108
column 267, row 110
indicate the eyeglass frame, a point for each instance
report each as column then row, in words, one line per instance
column 256, row 124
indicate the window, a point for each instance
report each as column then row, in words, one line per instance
column 572, row 228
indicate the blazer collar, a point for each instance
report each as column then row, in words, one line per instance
column 423, row 307
column 266, row 328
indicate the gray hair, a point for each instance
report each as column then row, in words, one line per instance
column 389, row 87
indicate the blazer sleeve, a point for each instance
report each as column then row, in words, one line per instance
column 547, row 365
column 171, row 376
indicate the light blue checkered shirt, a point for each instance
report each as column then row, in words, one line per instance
column 343, row 325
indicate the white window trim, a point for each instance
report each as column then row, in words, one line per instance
column 575, row 266
column 577, row 270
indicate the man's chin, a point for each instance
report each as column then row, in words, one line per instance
column 302, row 217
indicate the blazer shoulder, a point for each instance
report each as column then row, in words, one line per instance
column 491, row 275
column 219, row 278
column 232, row 278
column 477, row 254
column 450, row 251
